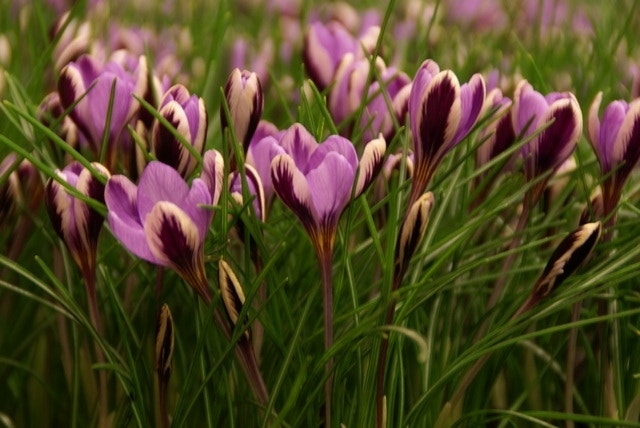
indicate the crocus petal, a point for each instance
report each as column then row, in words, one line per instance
column 558, row 140
column 159, row 182
column 438, row 117
column 472, row 97
column 166, row 146
column 334, row 144
column 172, row 236
column 529, row 107
column 331, row 184
column 299, row 144
column 370, row 163
column 627, row 144
column 123, row 217
column 212, row 174
column 292, row 188
column 423, row 77
column 594, row 127
column 260, row 155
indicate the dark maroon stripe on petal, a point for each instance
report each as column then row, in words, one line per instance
column 284, row 183
column 556, row 142
column 434, row 118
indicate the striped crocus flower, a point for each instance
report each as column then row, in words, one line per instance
column 162, row 219
column 616, row 140
column 187, row 114
column 441, row 114
column 75, row 222
column 553, row 125
column 317, row 181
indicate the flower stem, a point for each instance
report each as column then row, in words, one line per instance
column 326, row 262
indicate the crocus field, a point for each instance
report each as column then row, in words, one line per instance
column 295, row 213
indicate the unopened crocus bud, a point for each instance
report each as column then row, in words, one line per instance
column 243, row 94
column 232, row 294
column 186, row 113
column 51, row 114
column 567, row 257
column 75, row 222
column 595, row 209
column 165, row 338
column 413, row 229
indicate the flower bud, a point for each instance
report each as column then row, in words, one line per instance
column 243, row 94
column 164, row 342
column 187, row 114
column 232, row 294
column 413, row 229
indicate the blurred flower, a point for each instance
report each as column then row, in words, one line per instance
column 553, row 123
column 326, row 44
column 441, row 114
column 75, row 222
column 479, row 15
column 72, row 40
column 20, row 188
column 163, row 221
column 317, row 181
column 385, row 99
column 102, row 100
column 616, row 141
column 51, row 114
column 187, row 114
column 243, row 57
column 243, row 93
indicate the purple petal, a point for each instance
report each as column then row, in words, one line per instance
column 334, row 144
column 556, row 143
column 421, row 81
column 298, row 143
column 123, row 218
column 612, row 121
column 292, row 188
column 166, row 146
column 199, row 195
column 159, row 182
column 627, row 145
column 529, row 107
column 594, row 131
column 260, row 155
column 472, row 96
column 331, row 184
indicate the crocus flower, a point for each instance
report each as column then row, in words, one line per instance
column 441, row 113
column 499, row 133
column 75, row 222
column 317, row 181
column 243, row 93
column 616, row 141
column 263, row 147
column 554, row 124
column 88, row 86
column 385, row 98
column 254, row 189
column 326, row 44
column 163, row 221
column 187, row 114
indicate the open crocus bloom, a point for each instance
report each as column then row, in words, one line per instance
column 162, row 220
column 317, row 181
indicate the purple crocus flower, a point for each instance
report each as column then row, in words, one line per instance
column 499, row 133
column 317, row 181
column 187, row 114
column 616, row 142
column 163, row 221
column 441, row 113
column 264, row 146
column 75, row 222
column 350, row 91
column 89, row 84
column 326, row 44
column 558, row 115
column 254, row 188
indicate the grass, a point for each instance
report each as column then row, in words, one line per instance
column 49, row 372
